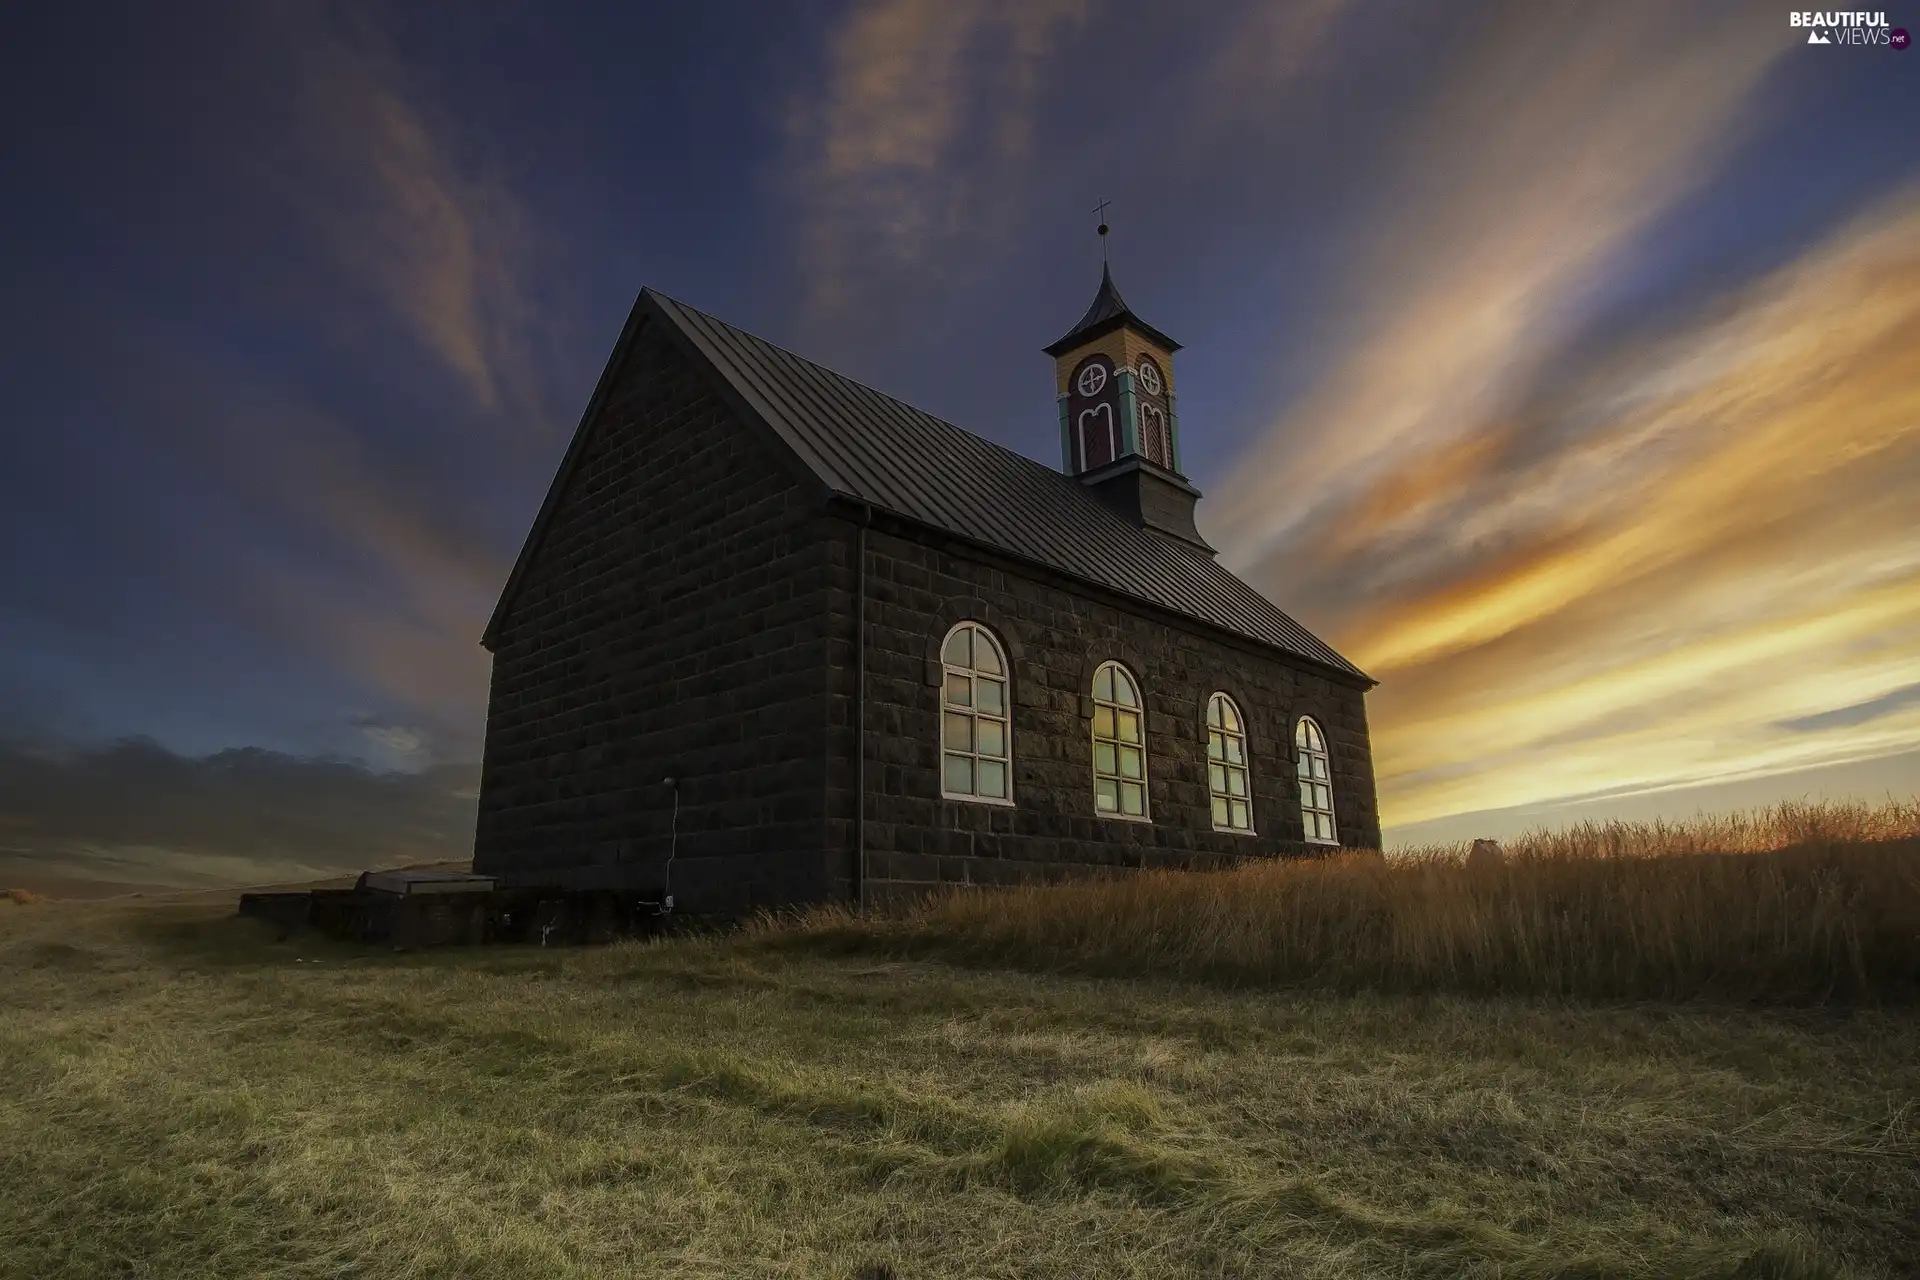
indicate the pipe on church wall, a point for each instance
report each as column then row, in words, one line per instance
column 860, row 713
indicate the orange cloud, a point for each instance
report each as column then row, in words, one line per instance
column 1798, row 400
column 1692, row 559
column 1524, row 176
column 1739, row 558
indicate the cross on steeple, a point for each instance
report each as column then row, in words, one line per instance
column 1114, row 378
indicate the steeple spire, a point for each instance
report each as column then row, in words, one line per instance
column 1108, row 312
column 1119, row 424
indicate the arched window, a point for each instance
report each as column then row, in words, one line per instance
column 1316, row 783
column 1119, row 745
column 1227, row 781
column 976, row 740
column 1156, row 442
column 1153, row 435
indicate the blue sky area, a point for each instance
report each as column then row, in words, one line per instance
column 1558, row 363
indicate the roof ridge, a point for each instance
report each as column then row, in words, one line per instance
column 860, row 442
column 835, row 374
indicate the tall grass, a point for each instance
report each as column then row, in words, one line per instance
column 1795, row 904
column 1761, row 830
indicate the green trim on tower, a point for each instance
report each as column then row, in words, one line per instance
column 1173, row 430
column 1129, row 413
column 1066, row 439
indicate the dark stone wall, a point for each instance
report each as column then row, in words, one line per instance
column 672, row 622
column 1057, row 633
column 690, row 611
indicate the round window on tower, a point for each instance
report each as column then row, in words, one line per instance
column 1149, row 375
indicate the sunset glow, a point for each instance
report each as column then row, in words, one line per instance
column 1560, row 366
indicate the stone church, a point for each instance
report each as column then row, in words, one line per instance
column 778, row 638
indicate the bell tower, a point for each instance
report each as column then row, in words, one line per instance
column 1119, row 425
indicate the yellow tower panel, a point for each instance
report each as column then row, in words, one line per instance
column 1122, row 346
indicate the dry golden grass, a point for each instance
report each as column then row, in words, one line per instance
column 1795, row 904
column 1763, row 830
column 186, row 1094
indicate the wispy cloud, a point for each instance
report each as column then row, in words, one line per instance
column 1259, row 50
column 942, row 132
column 401, row 591
column 1546, row 151
column 1587, row 569
column 924, row 116
column 406, row 206
column 1698, row 562
column 366, row 548
column 1859, row 713
column 403, row 743
column 311, row 535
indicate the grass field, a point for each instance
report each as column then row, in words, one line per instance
column 186, row 1096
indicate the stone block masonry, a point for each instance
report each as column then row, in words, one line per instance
column 672, row 622
column 1057, row 632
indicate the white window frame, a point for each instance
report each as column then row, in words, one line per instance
column 1228, row 759
column 1313, row 770
column 1115, row 710
column 974, row 675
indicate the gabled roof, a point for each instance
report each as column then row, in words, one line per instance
column 874, row 449
column 1108, row 312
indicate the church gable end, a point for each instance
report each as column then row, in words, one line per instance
column 664, row 621
column 777, row 638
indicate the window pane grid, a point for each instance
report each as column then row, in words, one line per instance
column 975, row 737
column 1315, row 776
column 1229, row 788
column 1119, row 745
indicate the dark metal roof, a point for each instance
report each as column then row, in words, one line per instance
column 879, row 450
column 1108, row 312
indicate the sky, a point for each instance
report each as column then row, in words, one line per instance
column 1560, row 364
